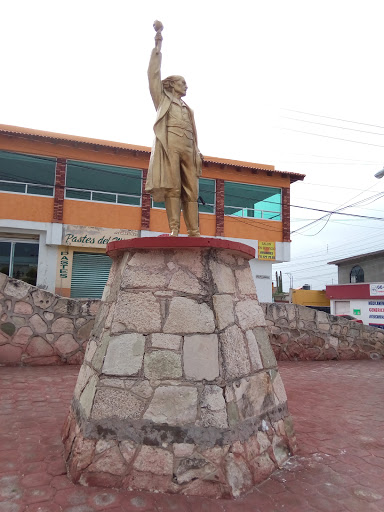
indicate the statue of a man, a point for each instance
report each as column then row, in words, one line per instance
column 176, row 162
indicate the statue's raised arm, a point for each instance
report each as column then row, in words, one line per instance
column 154, row 68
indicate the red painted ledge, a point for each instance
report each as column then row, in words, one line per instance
column 170, row 242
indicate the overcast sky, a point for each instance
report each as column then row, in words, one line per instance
column 263, row 78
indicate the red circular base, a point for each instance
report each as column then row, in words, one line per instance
column 171, row 242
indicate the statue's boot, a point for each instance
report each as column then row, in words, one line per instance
column 173, row 208
column 191, row 217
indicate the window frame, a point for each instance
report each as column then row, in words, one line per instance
column 280, row 213
column 27, row 183
column 91, row 192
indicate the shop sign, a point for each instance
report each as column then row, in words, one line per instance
column 267, row 250
column 63, row 264
column 376, row 289
column 357, row 312
column 89, row 236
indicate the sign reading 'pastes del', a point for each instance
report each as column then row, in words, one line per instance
column 91, row 236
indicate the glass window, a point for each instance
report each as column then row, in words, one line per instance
column 27, row 174
column 357, row 274
column 252, row 201
column 89, row 181
column 19, row 260
column 207, row 190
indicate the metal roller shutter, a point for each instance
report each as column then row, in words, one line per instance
column 89, row 275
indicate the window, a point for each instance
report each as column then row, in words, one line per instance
column 207, row 192
column 252, row 201
column 88, row 181
column 356, row 275
column 27, row 174
column 18, row 259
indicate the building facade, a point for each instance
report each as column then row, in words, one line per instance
column 63, row 198
column 360, row 288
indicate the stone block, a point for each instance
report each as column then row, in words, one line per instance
column 213, row 408
column 201, row 357
column 139, row 312
column 194, row 467
column 254, row 352
column 185, row 282
column 249, row 314
column 62, row 325
column 245, row 281
column 267, row 355
column 38, row 347
column 223, row 306
column 234, row 351
column 223, row 277
column 17, row 289
column 162, row 364
column 85, row 374
column 38, row 324
column 23, row 308
column 307, row 314
column 137, row 277
column 149, row 259
column 22, row 336
column 262, row 467
column 66, row 344
column 188, row 316
column 124, row 355
column 84, row 331
column 42, row 299
column 88, row 394
column 111, row 461
column 3, row 280
column 168, row 341
column 127, row 450
column 183, row 449
column 279, row 389
column 238, row 475
column 99, row 352
column 154, row 460
column 191, row 260
column 174, row 405
column 112, row 402
column 254, row 395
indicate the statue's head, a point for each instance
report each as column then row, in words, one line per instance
column 175, row 84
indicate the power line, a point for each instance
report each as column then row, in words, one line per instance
column 335, row 138
column 334, row 118
column 332, row 126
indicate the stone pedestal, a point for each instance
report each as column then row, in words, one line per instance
column 179, row 390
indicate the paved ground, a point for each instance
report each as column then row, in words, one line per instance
column 339, row 418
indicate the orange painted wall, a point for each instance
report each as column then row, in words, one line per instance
column 24, row 207
column 253, row 229
column 159, row 223
column 86, row 213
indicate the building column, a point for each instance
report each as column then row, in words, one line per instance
column 58, row 201
column 145, row 203
column 219, row 207
column 286, row 214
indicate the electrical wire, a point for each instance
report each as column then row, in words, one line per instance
column 332, row 126
column 334, row 118
column 335, row 138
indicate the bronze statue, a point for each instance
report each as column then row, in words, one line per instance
column 176, row 162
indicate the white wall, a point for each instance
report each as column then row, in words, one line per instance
column 49, row 239
column 367, row 308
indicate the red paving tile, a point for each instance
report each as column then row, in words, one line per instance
column 339, row 420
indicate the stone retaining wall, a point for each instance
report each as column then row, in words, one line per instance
column 298, row 333
column 40, row 328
